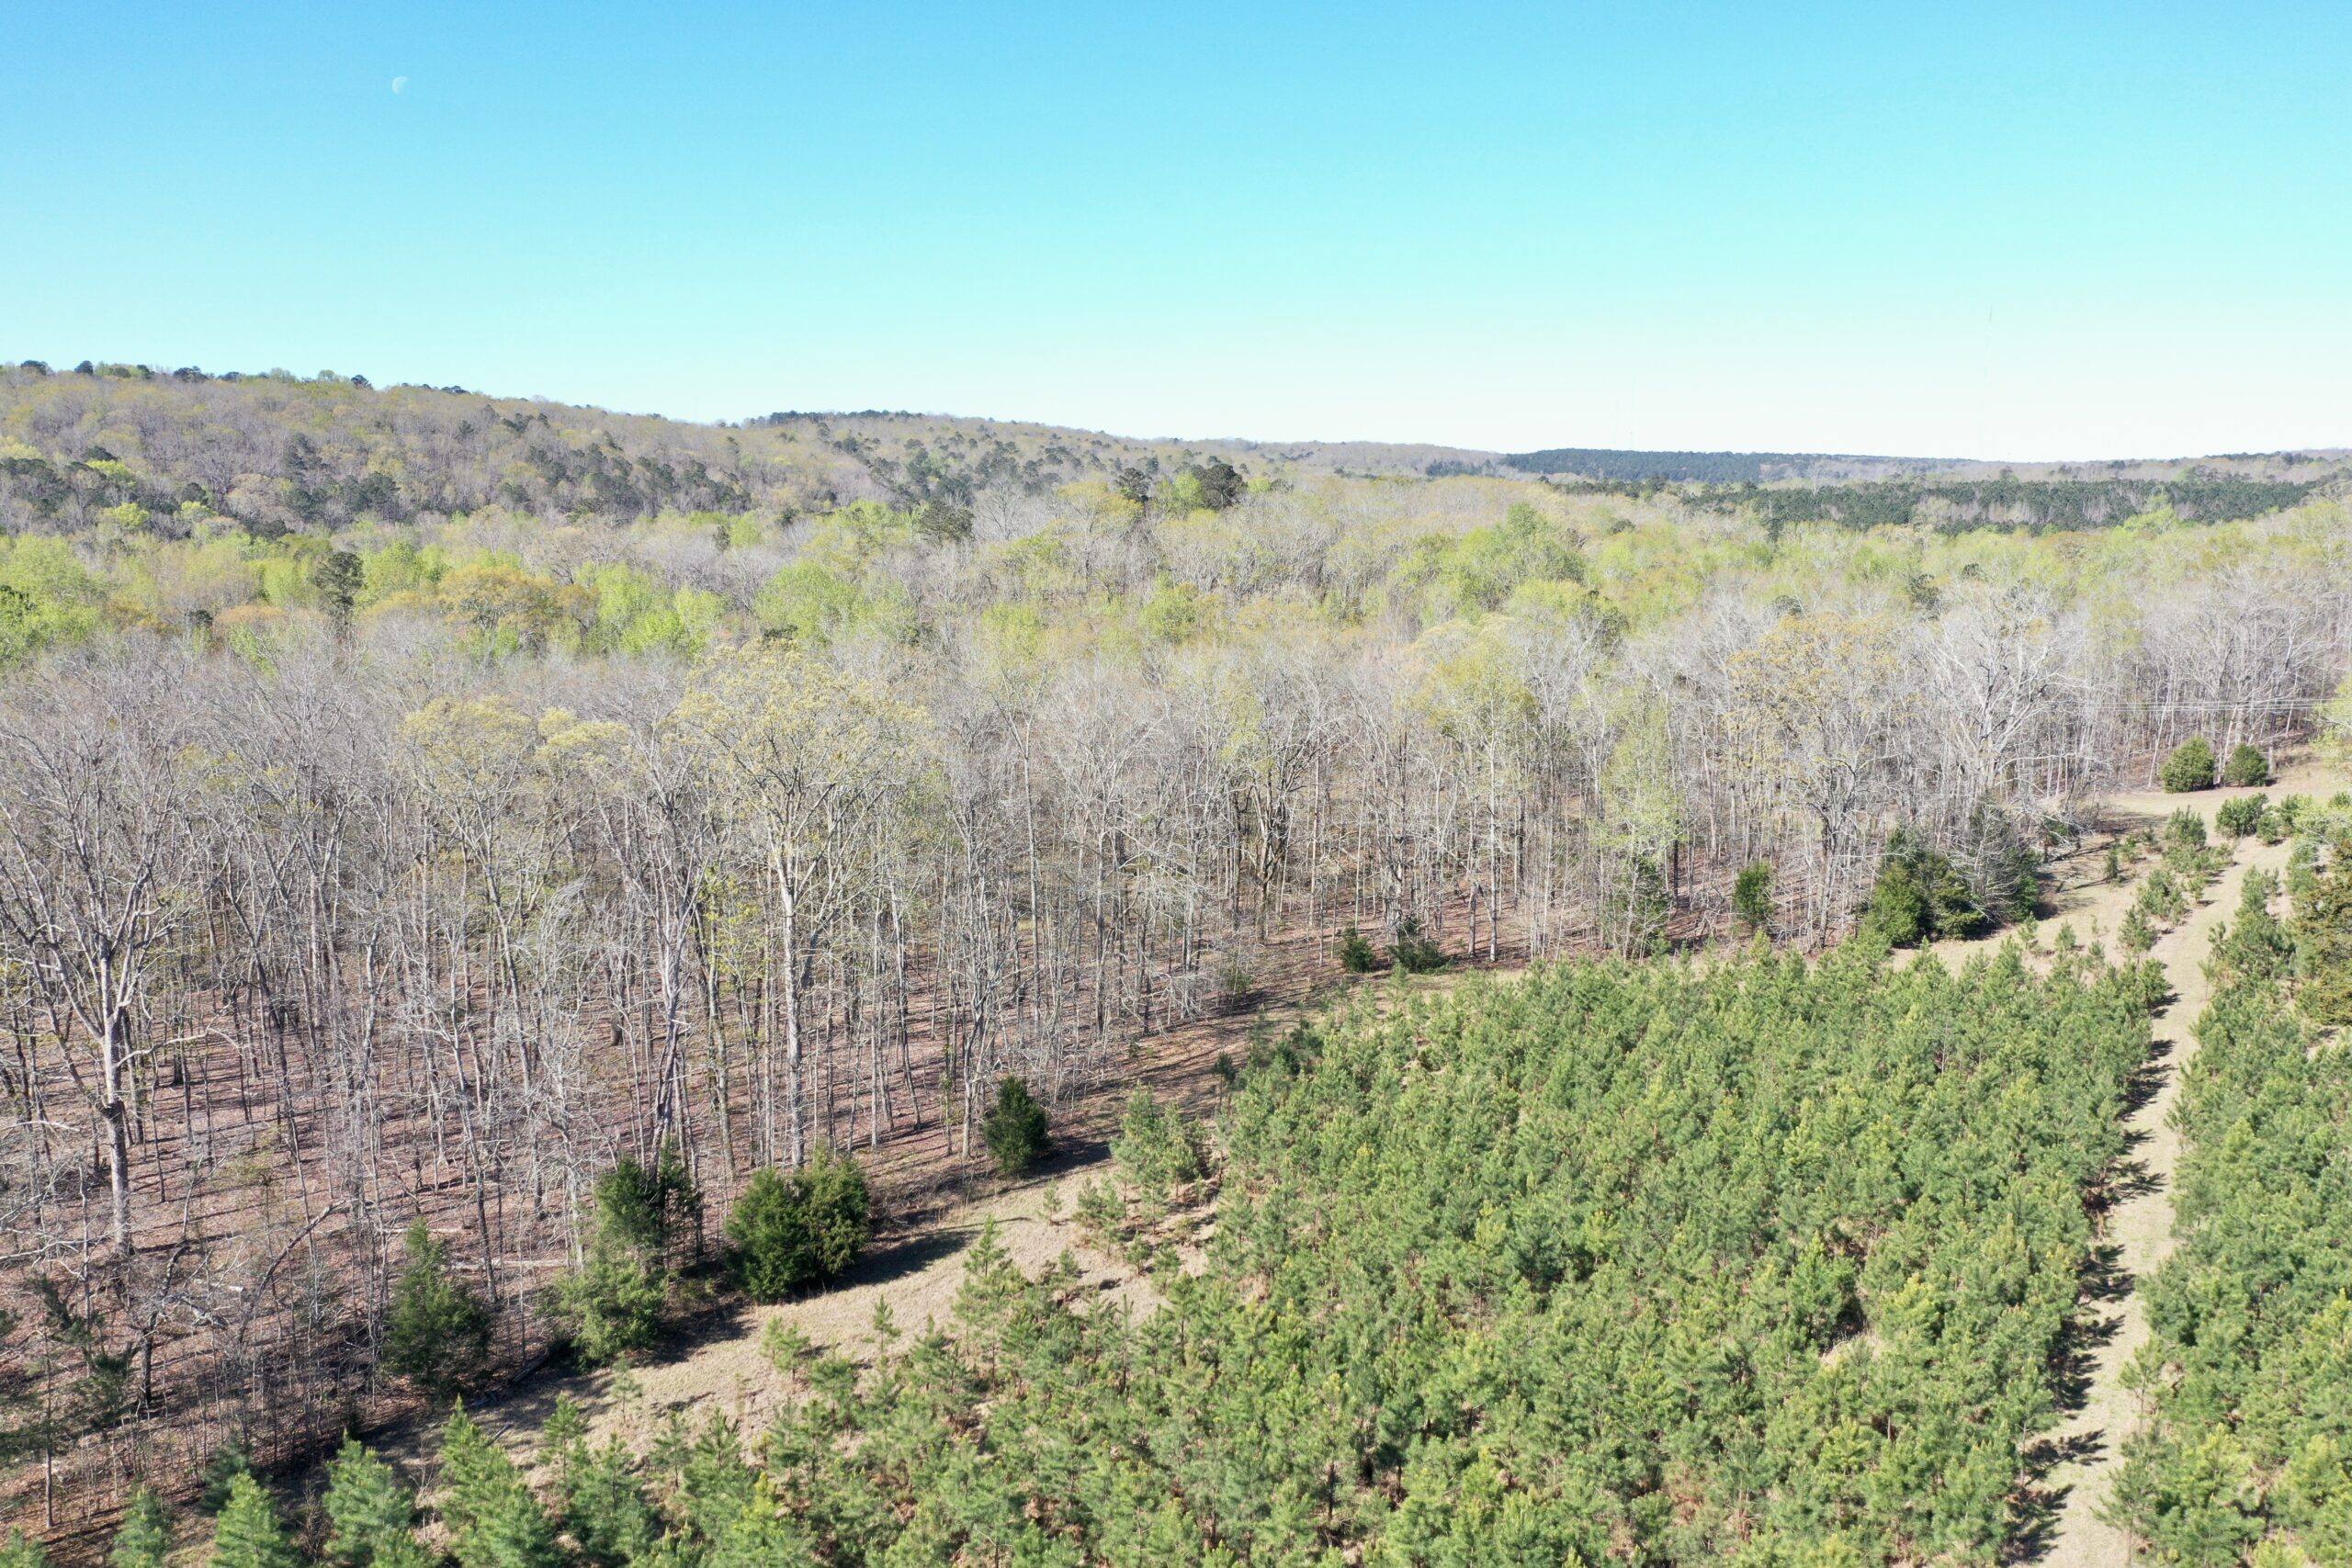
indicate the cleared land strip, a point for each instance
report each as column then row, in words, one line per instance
column 2139, row 1229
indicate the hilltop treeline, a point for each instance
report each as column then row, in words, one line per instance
column 368, row 863
column 2009, row 502
column 1697, row 468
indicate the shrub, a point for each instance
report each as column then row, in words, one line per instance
column 2272, row 828
column 1751, row 897
column 1356, row 955
column 2138, row 933
column 793, row 1230
column 1919, row 896
column 2242, row 816
column 2189, row 767
column 436, row 1334
column 2246, row 765
column 1411, row 952
column 1014, row 1127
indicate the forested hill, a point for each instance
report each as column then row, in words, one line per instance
column 1716, row 468
column 277, row 453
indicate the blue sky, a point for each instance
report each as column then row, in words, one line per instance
column 2029, row 232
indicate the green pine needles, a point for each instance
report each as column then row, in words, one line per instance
column 2189, row 767
column 1014, row 1128
column 792, row 1230
column 1494, row 1273
column 436, row 1331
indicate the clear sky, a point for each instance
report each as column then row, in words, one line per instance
column 2023, row 232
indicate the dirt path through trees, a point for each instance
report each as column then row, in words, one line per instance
column 2138, row 1234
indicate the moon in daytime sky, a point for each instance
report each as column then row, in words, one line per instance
column 398, row 83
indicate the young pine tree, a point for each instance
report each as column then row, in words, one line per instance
column 1751, row 897
column 2189, row 767
column 790, row 1231
column 371, row 1514
column 473, row 1472
column 2322, row 930
column 248, row 1534
column 605, row 1507
column 436, row 1334
column 1014, row 1128
column 510, row 1529
column 2246, row 765
column 613, row 1303
column 144, row 1537
column 1413, row 952
column 221, row 1469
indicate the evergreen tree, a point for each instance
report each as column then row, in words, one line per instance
column 613, row 1303
column 605, row 1507
column 2323, row 932
column 2237, row 819
column 788, row 1232
column 510, row 1528
column 369, row 1509
column 436, row 1334
column 1356, row 954
column 144, row 1537
column 2246, row 766
column 1411, row 952
column 2189, row 767
column 1751, row 897
column 1014, row 1128
column 1919, row 896
column 221, row 1469
column 473, row 1471
column 248, row 1534
column 20, row 1550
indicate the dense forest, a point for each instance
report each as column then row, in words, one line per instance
column 417, row 806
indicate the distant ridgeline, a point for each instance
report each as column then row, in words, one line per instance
column 2008, row 503
column 1705, row 468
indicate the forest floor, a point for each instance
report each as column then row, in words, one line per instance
column 718, row 1365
